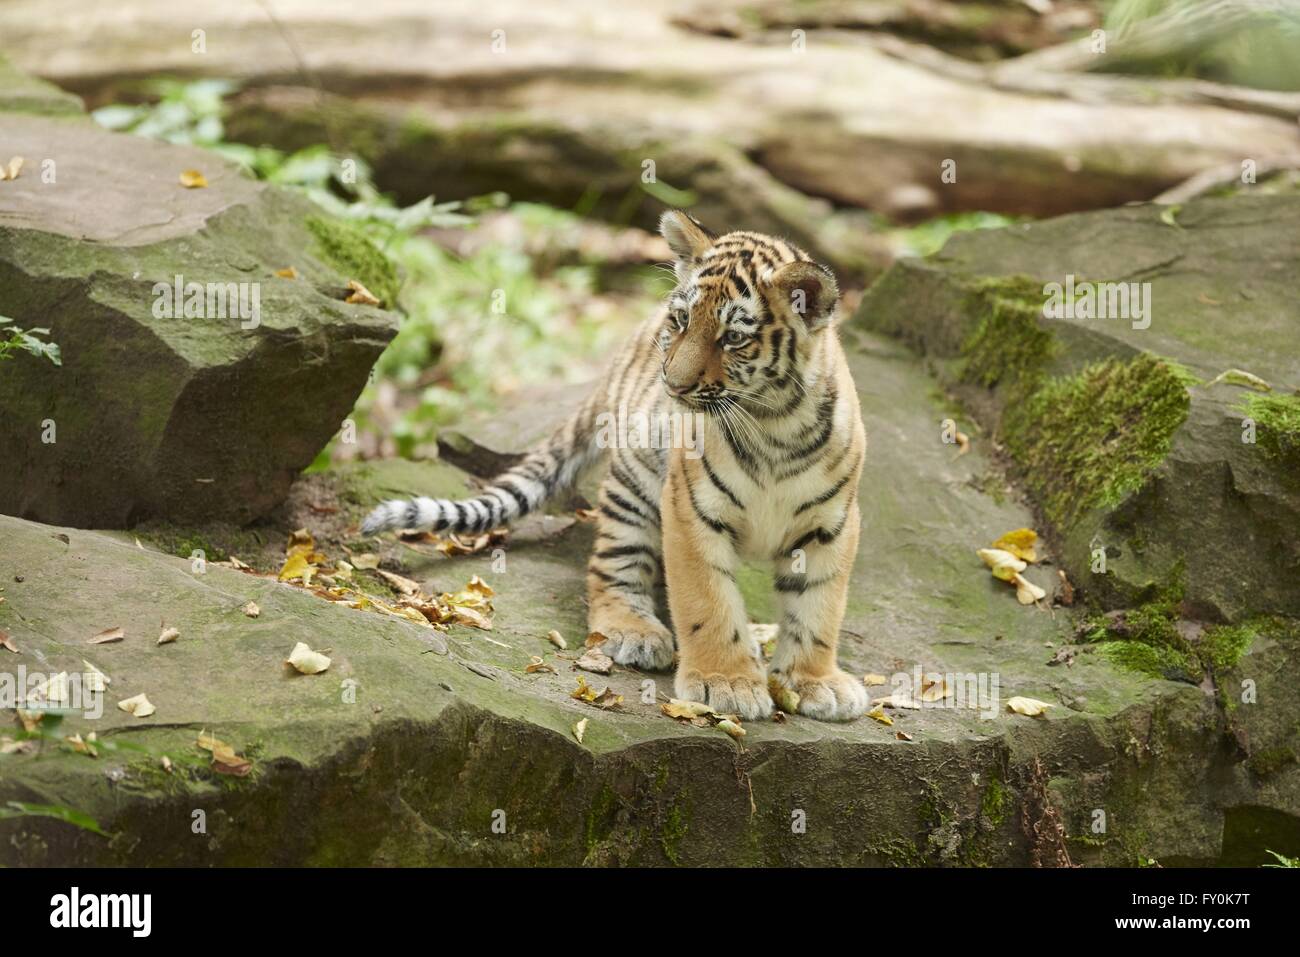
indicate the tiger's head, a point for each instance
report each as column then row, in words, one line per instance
column 743, row 320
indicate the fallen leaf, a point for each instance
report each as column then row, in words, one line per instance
column 594, row 639
column 1028, row 706
column 580, row 729
column 537, row 664
column 584, row 691
column 785, row 698
column 404, row 585
column 166, row 763
column 251, row 609
column 935, row 690
column 14, row 168
column 168, row 636
column 608, row 699
column 306, row 661
column 732, row 728
column 360, row 294
column 1243, row 378
column 594, row 661
column 365, row 561
column 107, row 636
column 897, row 701
column 878, row 714
column 82, row 745
column 677, row 708
column 1027, row 592
column 7, row 643
column 902, row 736
column 297, row 566
column 872, row 680
column 10, row 746
column 557, row 639
column 288, row 272
column 1003, row 564
column 1065, row 596
column 1203, row 298
column 224, row 758
column 963, row 444
column 93, row 678
column 1019, row 543
column 138, row 706
column 193, row 179
column 31, row 720
column 478, row 586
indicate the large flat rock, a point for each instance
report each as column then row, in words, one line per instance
column 448, row 735
column 160, row 410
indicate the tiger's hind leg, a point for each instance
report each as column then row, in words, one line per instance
column 626, row 563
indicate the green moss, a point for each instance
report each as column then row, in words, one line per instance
column 673, row 831
column 1271, row 760
column 993, row 802
column 349, row 250
column 1151, row 661
column 1277, row 424
column 1087, row 440
column 1008, row 345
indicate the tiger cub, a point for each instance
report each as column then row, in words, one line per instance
column 746, row 346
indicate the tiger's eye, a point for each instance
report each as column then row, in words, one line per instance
column 734, row 337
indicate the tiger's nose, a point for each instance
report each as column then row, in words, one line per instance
column 679, row 390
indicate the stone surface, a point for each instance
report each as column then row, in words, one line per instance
column 447, row 731
column 187, row 418
column 1210, row 514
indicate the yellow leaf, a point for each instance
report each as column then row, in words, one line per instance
column 580, row 729
column 14, row 167
column 584, row 691
column 288, row 272
column 1019, row 543
column 1003, row 564
column 297, row 566
column 873, row 679
column 365, row 561
column 537, row 664
column 677, row 708
column 404, row 585
column 1028, row 706
column 193, row 179
column 877, row 713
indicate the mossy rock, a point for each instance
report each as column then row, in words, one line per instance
column 1140, row 459
column 155, row 413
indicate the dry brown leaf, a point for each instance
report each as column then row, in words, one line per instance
column 107, row 636
column 11, row 746
column 1026, row 591
column 360, row 294
column 608, row 699
column 7, row 643
column 594, row 639
column 594, row 661
column 168, row 636
column 406, row 586
column 93, row 679
column 224, row 758
column 872, row 680
column 557, row 639
column 963, row 444
column 14, row 168
column 902, row 736
column 580, row 729
column 31, row 720
column 193, row 179
column 252, row 610
column 897, row 701
column 677, row 708
column 82, row 745
column 537, row 664
column 785, row 698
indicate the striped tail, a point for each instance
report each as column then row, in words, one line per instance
column 547, row 469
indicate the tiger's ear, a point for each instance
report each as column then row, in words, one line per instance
column 686, row 238
column 807, row 290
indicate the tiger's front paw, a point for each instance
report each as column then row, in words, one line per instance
column 834, row 697
column 649, row 646
column 743, row 695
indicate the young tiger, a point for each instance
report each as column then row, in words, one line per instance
column 747, row 339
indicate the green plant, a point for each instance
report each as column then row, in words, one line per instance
column 26, row 340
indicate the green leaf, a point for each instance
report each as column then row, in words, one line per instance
column 58, row 812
